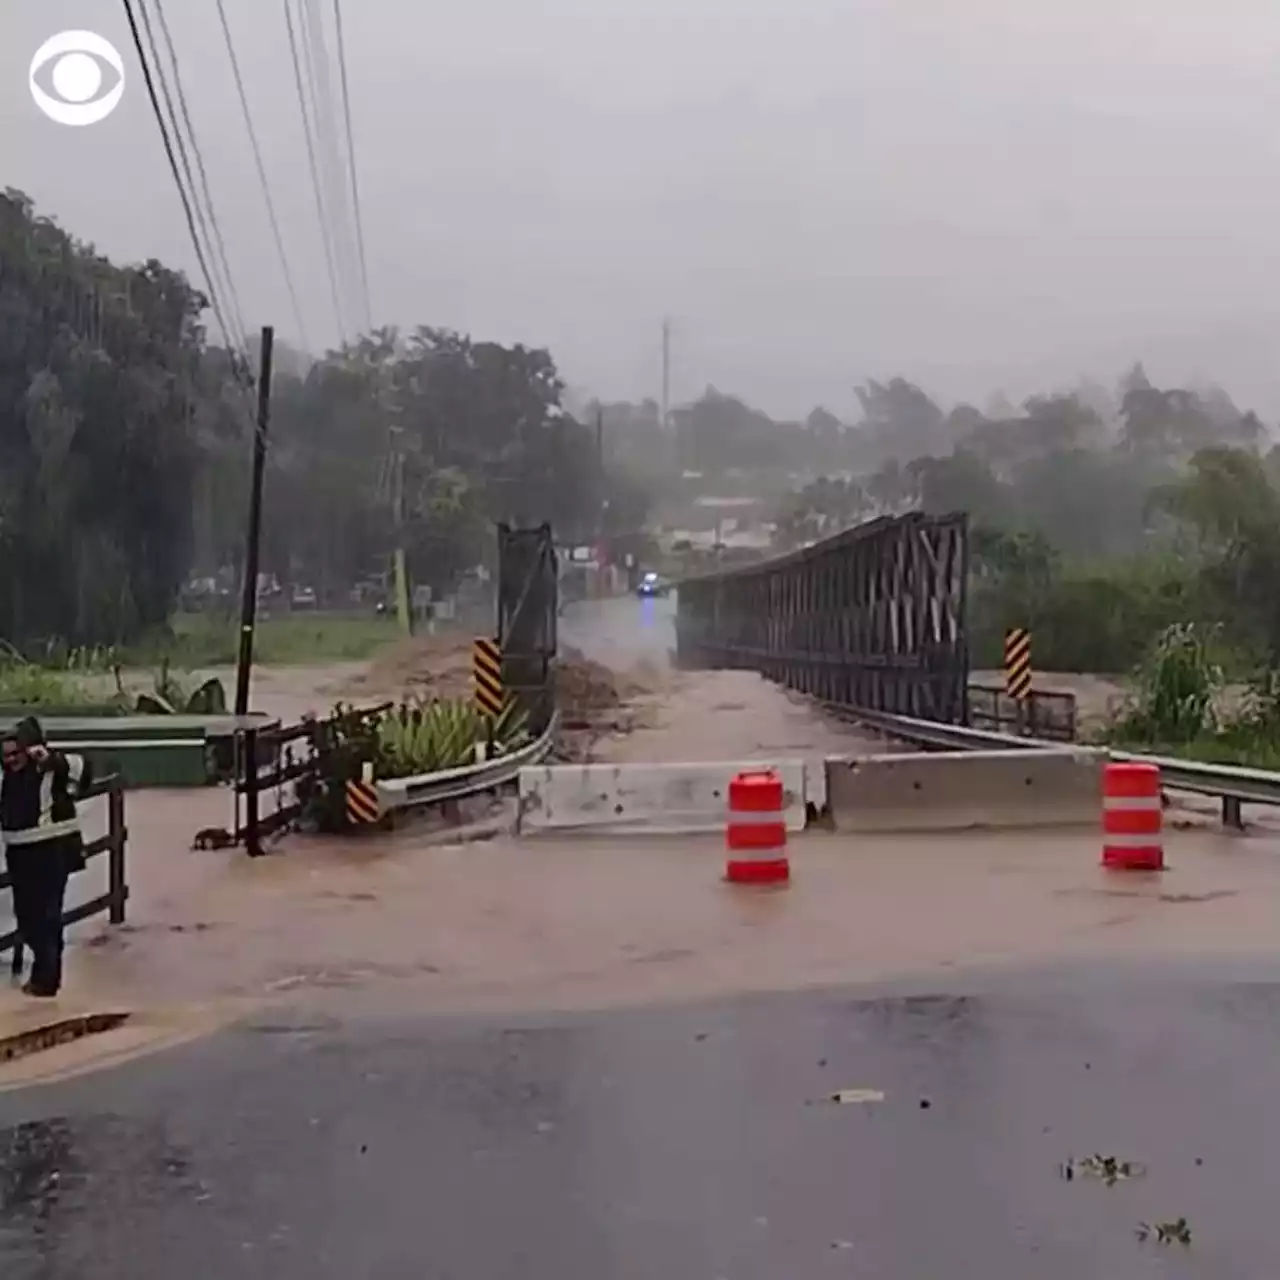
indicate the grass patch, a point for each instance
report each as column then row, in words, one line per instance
column 30, row 684
column 203, row 640
column 1245, row 750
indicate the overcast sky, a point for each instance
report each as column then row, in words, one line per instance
column 973, row 193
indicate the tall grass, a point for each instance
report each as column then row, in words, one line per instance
column 1178, row 683
column 30, row 684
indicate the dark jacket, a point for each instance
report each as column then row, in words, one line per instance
column 38, row 803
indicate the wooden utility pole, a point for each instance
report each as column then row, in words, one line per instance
column 404, row 605
column 249, row 589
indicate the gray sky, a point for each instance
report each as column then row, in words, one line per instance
column 973, row 193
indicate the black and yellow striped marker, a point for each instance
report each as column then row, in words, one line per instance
column 362, row 803
column 486, row 669
column 1017, row 663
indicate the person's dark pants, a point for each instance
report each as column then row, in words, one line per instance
column 38, row 874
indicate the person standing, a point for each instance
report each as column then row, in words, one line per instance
column 43, row 844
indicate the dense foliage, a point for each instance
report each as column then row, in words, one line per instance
column 126, row 440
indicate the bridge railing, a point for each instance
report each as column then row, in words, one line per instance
column 873, row 617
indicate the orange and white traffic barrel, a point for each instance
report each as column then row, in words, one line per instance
column 1132, row 816
column 756, row 834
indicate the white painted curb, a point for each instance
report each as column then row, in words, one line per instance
column 649, row 799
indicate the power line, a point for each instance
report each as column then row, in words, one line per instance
column 262, row 176
column 315, row 60
column 351, row 159
column 214, row 303
column 315, row 177
column 219, row 247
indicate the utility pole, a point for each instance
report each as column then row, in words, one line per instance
column 666, row 374
column 604, row 501
column 404, row 610
column 249, row 590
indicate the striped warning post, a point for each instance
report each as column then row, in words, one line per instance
column 486, row 671
column 362, row 804
column 1132, row 816
column 1017, row 663
column 756, row 834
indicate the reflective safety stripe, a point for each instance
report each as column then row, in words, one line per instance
column 1118, row 803
column 49, row 831
column 46, row 799
column 1140, row 840
column 755, row 817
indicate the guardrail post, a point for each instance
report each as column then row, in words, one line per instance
column 1232, row 815
column 252, row 837
column 117, row 884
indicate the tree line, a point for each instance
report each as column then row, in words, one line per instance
column 1098, row 519
column 127, row 433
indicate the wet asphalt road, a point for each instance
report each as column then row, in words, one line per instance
column 673, row 1143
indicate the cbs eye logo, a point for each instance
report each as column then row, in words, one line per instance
column 77, row 60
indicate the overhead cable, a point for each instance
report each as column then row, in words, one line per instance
column 325, row 235
column 262, row 176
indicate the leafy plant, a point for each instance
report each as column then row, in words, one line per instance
column 1176, row 687
column 427, row 736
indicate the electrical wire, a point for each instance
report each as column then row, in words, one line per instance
column 214, row 302
column 351, row 162
column 315, row 176
column 317, row 62
column 220, row 248
column 262, row 175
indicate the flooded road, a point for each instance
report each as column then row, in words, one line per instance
column 698, row 1141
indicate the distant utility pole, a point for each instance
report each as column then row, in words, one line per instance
column 600, row 475
column 249, row 590
column 666, row 374
column 404, row 608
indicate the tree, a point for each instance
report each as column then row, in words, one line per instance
column 902, row 419
column 98, row 365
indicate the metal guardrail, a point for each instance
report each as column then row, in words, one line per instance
column 469, row 780
column 1045, row 713
column 1234, row 785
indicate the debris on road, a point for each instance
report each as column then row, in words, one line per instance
column 1174, row 1232
column 848, row 1096
column 595, row 702
column 1107, row 1169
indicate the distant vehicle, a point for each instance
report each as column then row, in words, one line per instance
column 304, row 598
column 652, row 585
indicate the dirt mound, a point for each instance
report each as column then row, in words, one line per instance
column 584, row 687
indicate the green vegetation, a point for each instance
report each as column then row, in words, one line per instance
column 419, row 736
column 125, row 437
column 423, row 736
column 1178, row 708
column 208, row 640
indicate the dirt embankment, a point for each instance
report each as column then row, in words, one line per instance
column 595, row 702
column 598, row 705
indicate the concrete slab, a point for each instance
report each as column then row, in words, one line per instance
column 649, row 799
column 956, row 791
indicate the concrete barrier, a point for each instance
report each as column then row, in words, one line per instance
column 956, row 791
column 647, row 799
